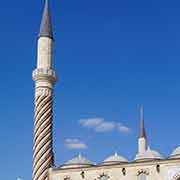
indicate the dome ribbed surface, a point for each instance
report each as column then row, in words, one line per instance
column 149, row 155
column 115, row 159
column 78, row 161
column 175, row 153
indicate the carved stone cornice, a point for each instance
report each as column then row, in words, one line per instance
column 44, row 75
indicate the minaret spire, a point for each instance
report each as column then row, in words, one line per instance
column 142, row 141
column 46, row 25
column 44, row 77
column 142, row 133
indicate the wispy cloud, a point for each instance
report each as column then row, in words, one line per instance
column 101, row 125
column 75, row 144
column 123, row 129
column 91, row 122
column 19, row 178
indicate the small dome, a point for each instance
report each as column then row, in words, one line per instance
column 114, row 159
column 78, row 161
column 149, row 155
column 175, row 153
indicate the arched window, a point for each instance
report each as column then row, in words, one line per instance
column 142, row 176
column 104, row 178
column 176, row 176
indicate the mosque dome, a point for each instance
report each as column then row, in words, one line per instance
column 149, row 155
column 115, row 159
column 175, row 153
column 78, row 161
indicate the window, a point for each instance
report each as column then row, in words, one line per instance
column 176, row 176
column 103, row 178
column 142, row 176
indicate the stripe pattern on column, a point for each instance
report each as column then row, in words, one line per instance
column 42, row 148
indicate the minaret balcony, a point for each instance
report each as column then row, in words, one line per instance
column 44, row 75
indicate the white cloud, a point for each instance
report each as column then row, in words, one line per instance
column 105, row 127
column 19, row 179
column 75, row 144
column 100, row 125
column 91, row 122
column 123, row 129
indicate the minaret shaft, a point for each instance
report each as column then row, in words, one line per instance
column 141, row 145
column 45, row 47
column 142, row 141
column 42, row 149
column 44, row 78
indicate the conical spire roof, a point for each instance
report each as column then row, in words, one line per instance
column 46, row 25
column 142, row 128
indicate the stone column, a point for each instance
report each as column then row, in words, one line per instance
column 45, row 79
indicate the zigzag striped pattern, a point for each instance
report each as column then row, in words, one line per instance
column 42, row 148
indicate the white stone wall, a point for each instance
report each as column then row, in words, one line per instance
column 168, row 169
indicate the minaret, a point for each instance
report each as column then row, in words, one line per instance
column 142, row 141
column 44, row 78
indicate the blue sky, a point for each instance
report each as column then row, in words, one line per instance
column 110, row 57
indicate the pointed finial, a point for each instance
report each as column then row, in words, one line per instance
column 116, row 154
column 46, row 26
column 142, row 128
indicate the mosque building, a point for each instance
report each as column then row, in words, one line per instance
column 148, row 164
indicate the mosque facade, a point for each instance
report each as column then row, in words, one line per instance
column 148, row 164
